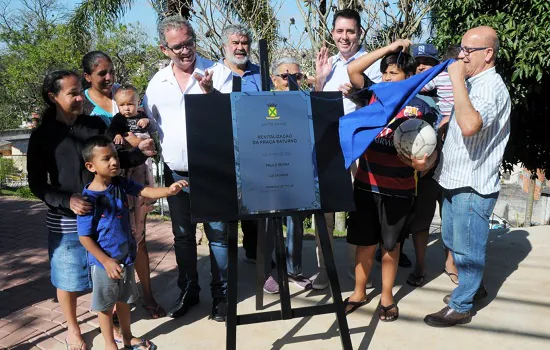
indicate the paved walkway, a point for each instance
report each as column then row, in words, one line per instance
column 515, row 315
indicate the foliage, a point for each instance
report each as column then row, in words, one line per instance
column 36, row 40
column 31, row 50
column 135, row 59
column 381, row 23
column 24, row 192
column 208, row 18
column 7, row 168
column 524, row 31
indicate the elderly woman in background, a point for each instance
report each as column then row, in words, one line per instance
column 282, row 71
column 57, row 176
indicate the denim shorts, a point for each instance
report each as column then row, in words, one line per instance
column 69, row 262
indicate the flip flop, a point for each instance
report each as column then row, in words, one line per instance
column 147, row 344
column 415, row 281
column 155, row 311
column 356, row 305
column 70, row 346
column 385, row 309
column 451, row 274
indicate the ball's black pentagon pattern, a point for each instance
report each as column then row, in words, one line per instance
column 415, row 137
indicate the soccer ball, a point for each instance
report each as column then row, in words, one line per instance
column 415, row 137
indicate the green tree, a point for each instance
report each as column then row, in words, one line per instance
column 208, row 18
column 28, row 55
column 35, row 40
column 136, row 60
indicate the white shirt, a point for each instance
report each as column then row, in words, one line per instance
column 164, row 102
column 474, row 161
column 339, row 75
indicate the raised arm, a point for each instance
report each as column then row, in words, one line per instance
column 467, row 117
column 162, row 192
column 323, row 67
column 358, row 66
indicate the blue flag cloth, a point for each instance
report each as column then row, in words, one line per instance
column 358, row 129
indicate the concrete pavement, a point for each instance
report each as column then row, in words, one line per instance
column 515, row 315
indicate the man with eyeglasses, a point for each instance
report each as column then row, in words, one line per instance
column 164, row 101
column 478, row 131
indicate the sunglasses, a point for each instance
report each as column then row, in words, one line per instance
column 284, row 76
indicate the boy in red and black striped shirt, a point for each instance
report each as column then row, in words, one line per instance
column 384, row 186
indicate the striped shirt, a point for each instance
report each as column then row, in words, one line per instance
column 60, row 224
column 380, row 169
column 474, row 161
column 445, row 99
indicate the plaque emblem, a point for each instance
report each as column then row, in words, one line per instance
column 272, row 111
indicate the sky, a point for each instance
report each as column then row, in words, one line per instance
column 143, row 13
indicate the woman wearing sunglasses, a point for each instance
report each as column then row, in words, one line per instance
column 281, row 72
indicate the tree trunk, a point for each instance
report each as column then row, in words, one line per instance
column 340, row 221
column 530, row 200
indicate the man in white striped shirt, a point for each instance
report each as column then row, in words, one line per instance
column 469, row 168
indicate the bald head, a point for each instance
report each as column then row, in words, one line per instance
column 485, row 36
column 479, row 49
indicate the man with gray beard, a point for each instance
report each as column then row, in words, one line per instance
column 237, row 40
column 236, row 47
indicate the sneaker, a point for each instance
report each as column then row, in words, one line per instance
column 271, row 286
column 319, row 280
column 300, row 281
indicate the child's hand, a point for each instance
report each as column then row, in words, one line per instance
column 143, row 122
column 177, row 186
column 118, row 140
column 113, row 269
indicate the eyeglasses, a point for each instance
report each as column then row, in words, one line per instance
column 468, row 50
column 284, row 76
column 177, row 49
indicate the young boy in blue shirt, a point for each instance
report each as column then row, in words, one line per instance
column 106, row 234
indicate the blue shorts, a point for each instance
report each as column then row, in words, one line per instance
column 69, row 262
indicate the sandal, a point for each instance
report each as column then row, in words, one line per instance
column 144, row 344
column 384, row 312
column 155, row 311
column 80, row 346
column 117, row 335
column 451, row 275
column 356, row 305
column 414, row 280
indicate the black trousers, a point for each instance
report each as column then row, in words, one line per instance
column 250, row 237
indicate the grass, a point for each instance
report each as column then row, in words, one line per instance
column 19, row 192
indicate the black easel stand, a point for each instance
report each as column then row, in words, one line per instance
column 273, row 225
column 214, row 178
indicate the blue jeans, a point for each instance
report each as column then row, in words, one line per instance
column 185, row 244
column 465, row 230
column 294, row 242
